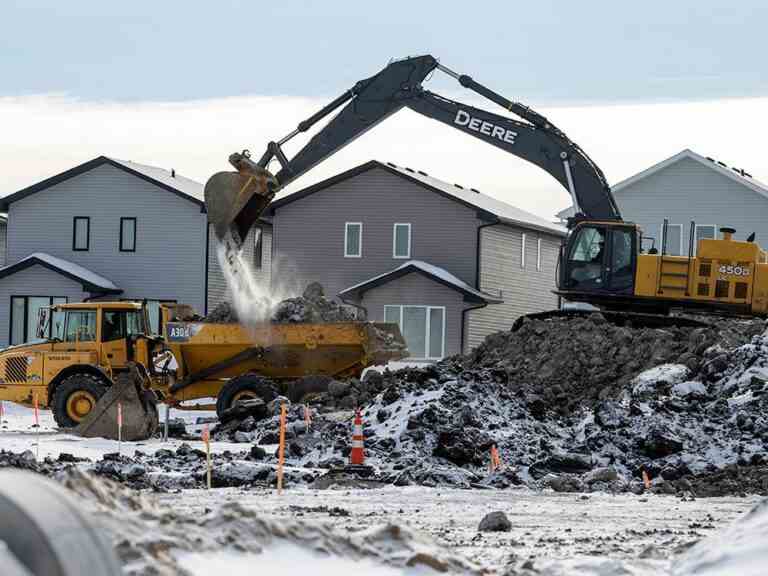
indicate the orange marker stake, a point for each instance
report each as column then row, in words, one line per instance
column 37, row 426
column 206, row 436
column 281, row 450
column 119, row 427
column 646, row 480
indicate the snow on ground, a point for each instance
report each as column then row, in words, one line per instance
column 564, row 534
column 19, row 434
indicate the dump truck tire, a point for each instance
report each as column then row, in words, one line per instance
column 244, row 387
column 46, row 531
column 75, row 397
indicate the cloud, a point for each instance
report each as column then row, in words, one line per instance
column 45, row 134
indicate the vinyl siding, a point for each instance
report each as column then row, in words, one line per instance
column 524, row 290
column 3, row 243
column 688, row 190
column 169, row 260
column 309, row 232
column 33, row 281
column 217, row 285
column 418, row 290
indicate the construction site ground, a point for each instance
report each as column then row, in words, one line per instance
column 551, row 533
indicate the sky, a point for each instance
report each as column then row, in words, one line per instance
column 184, row 84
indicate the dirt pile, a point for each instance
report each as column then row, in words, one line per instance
column 312, row 307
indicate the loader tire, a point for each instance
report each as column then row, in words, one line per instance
column 75, row 397
column 244, row 387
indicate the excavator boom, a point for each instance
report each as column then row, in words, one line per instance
column 235, row 200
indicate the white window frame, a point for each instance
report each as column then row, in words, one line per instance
column 661, row 238
column 538, row 254
column 346, row 238
column 696, row 235
column 394, row 240
column 402, row 307
column 522, row 250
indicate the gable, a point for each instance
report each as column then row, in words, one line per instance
column 149, row 174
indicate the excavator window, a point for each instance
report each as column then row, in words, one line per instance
column 601, row 258
column 586, row 257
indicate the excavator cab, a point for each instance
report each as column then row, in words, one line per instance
column 599, row 258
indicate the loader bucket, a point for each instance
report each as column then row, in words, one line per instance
column 139, row 413
column 235, row 200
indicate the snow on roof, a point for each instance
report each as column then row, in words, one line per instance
column 440, row 274
column 173, row 179
column 739, row 176
column 505, row 212
column 66, row 267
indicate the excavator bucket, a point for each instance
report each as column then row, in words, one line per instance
column 125, row 400
column 235, row 200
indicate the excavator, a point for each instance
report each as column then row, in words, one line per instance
column 602, row 262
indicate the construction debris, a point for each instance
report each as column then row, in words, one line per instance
column 312, row 307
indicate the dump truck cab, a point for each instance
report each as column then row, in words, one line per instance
column 79, row 351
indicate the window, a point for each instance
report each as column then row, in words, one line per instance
column 353, row 240
column 258, row 247
column 119, row 324
column 674, row 239
column 81, row 234
column 522, row 251
column 423, row 328
column 81, row 326
column 127, row 234
column 153, row 314
column 24, row 314
column 538, row 254
column 705, row 231
column 401, row 241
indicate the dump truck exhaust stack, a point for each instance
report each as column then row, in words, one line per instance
column 235, row 200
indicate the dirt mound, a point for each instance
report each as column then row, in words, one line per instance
column 312, row 307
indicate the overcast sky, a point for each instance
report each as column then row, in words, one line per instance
column 183, row 84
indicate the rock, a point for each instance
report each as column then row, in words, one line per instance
column 563, row 482
column 253, row 407
column 495, row 522
column 257, row 453
column 242, row 437
column 569, row 463
column 659, row 443
column 605, row 474
column 463, row 446
column 338, row 389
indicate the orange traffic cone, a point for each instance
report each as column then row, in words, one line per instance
column 357, row 456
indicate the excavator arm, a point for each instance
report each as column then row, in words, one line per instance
column 235, row 200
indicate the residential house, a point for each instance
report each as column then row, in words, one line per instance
column 106, row 229
column 686, row 188
column 447, row 263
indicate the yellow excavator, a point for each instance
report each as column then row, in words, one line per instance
column 602, row 262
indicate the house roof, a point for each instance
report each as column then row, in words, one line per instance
column 431, row 271
column 176, row 184
column 487, row 206
column 736, row 175
column 91, row 282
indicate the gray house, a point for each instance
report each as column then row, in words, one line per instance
column 106, row 229
column 689, row 187
column 448, row 263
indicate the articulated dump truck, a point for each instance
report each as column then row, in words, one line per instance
column 103, row 355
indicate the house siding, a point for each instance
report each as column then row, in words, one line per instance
column 689, row 190
column 3, row 243
column 169, row 260
column 524, row 290
column 34, row 281
column 415, row 289
column 309, row 232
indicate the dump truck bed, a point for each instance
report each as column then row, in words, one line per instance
column 209, row 353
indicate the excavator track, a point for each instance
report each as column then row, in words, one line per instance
column 635, row 319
